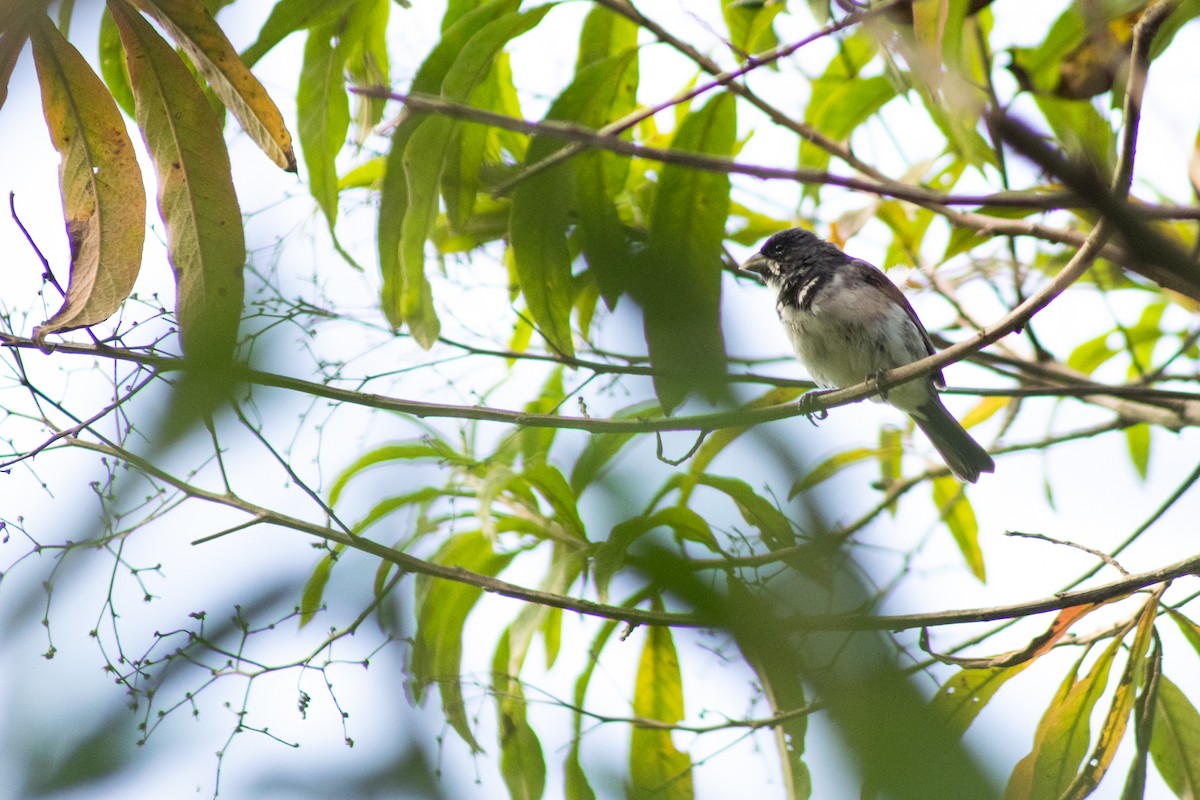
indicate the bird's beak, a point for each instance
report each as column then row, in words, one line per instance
column 757, row 264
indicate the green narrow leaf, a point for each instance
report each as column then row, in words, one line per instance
column 542, row 204
column 12, row 42
column 104, row 202
column 679, row 280
column 197, row 33
column 951, row 499
column 289, row 16
column 1137, row 439
column 314, row 589
column 112, row 63
column 364, row 40
column 551, row 484
column 830, row 467
column 415, row 450
column 656, row 768
column 323, row 116
column 521, row 762
column 784, row 691
column 756, row 510
column 441, row 609
column 196, row 197
column 1175, row 743
column 604, row 33
column 424, row 158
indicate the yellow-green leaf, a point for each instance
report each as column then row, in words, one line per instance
column 104, row 201
column 960, row 699
column 112, row 64
column 1137, row 439
column 656, row 768
column 1175, row 743
column 441, row 609
column 323, row 116
column 196, row 198
column 314, row 589
column 951, row 499
column 193, row 29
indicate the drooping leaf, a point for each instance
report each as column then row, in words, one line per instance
column 193, row 29
column 551, row 484
column 441, row 609
column 542, row 204
column 104, row 202
column 364, row 41
column 610, row 556
column 678, row 282
column 409, row 196
column 1175, row 744
column 112, row 64
column 955, row 509
column 656, row 767
column 1137, row 440
column 1062, row 736
column 196, row 197
column 1112, row 730
column 522, row 764
column 323, row 115
column 755, row 509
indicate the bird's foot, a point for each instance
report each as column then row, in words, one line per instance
column 807, row 402
column 876, row 378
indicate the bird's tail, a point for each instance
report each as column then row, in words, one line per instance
column 962, row 454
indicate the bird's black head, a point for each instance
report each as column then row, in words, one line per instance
column 793, row 252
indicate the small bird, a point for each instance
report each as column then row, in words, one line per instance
column 847, row 322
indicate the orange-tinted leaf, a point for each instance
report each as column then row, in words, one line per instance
column 196, row 198
column 1115, row 722
column 193, row 29
column 104, row 203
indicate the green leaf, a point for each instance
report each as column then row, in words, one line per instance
column 600, row 178
column 551, row 484
column 425, row 152
column 718, row 440
column 1080, row 129
column 1137, row 439
column 1190, row 630
column 756, row 510
column 441, row 609
column 104, row 201
column 610, row 556
column 314, row 589
column 749, row 26
column 678, row 282
column 951, row 499
column 963, row 240
column 521, row 762
column 602, row 448
column 415, row 450
column 830, row 467
column 542, row 204
column 323, row 114
column 656, row 768
column 364, row 40
column 112, row 63
column 964, row 694
column 289, row 16
column 1175, row 743
column 605, row 33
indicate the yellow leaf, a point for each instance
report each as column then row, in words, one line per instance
column 104, row 203
column 193, row 28
column 196, row 198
